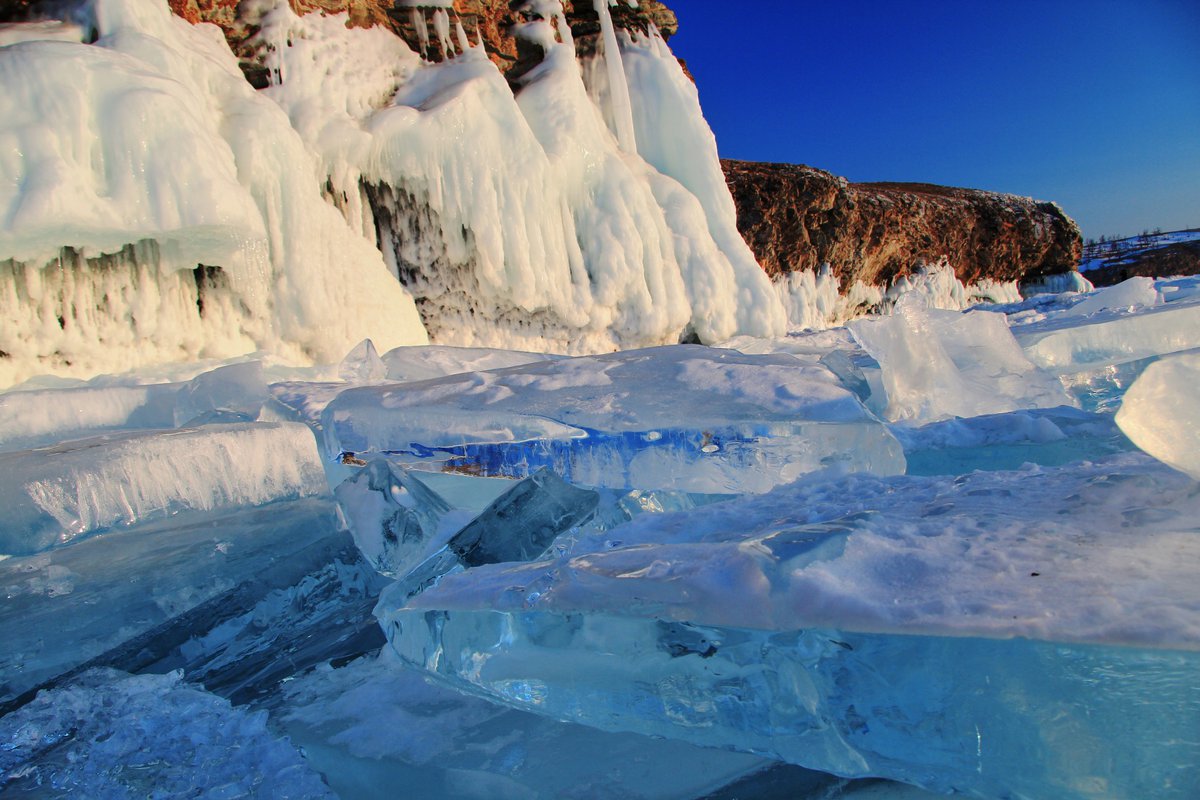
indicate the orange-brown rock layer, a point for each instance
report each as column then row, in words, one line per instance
column 491, row 18
column 796, row 217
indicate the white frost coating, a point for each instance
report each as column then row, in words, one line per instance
column 153, row 134
column 103, row 150
column 618, row 223
column 1161, row 412
column 619, row 109
column 941, row 288
column 938, row 364
column 56, row 494
column 813, row 301
column 518, row 224
column 673, row 136
column 47, row 30
column 455, row 137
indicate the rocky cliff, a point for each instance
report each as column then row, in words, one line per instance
column 796, row 217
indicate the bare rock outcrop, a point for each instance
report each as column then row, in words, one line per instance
column 796, row 217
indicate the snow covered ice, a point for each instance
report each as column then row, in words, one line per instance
column 1160, row 412
column 262, row 538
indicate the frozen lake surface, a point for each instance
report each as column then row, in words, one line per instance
column 825, row 565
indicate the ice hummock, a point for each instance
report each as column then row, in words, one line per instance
column 519, row 525
column 938, row 364
column 1107, row 336
column 963, row 716
column 377, row 724
column 856, row 623
column 523, row 522
column 686, row 418
column 53, row 495
column 127, row 597
column 1161, row 413
column 395, row 518
column 1070, row 586
column 45, row 416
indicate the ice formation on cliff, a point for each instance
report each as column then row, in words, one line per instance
column 157, row 209
column 512, row 220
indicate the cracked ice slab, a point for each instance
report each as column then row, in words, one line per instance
column 119, row 596
column 1066, row 344
column 53, row 495
column 748, row 422
column 1026, row 633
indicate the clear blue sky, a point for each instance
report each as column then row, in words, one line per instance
column 1094, row 104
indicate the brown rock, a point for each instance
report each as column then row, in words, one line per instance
column 796, row 217
column 491, row 17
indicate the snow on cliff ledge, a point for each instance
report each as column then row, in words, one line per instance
column 154, row 207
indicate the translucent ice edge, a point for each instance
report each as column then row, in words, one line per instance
column 982, row 717
column 729, row 459
column 1098, row 553
column 56, row 494
column 1074, row 344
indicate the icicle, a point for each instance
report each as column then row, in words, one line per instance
column 418, row 21
column 464, row 44
column 657, row 43
column 620, row 106
column 441, row 23
column 564, row 31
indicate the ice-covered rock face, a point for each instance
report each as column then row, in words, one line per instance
column 581, row 215
column 157, row 209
